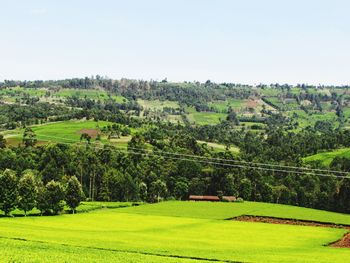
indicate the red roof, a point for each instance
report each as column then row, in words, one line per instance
column 204, row 198
column 211, row 198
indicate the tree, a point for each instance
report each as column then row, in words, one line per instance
column 86, row 137
column 245, row 189
column 232, row 116
column 2, row 142
column 74, row 193
column 143, row 191
column 55, row 196
column 27, row 192
column 29, row 137
column 181, row 190
column 8, row 191
column 42, row 203
column 158, row 190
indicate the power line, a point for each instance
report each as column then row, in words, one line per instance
column 238, row 162
column 217, row 163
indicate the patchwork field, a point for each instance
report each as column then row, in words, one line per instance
column 173, row 232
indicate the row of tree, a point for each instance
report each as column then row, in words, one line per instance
column 27, row 192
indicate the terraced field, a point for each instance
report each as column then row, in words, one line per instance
column 173, row 232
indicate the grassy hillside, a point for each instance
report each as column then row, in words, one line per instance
column 219, row 147
column 65, row 131
column 327, row 157
column 210, row 210
column 161, row 232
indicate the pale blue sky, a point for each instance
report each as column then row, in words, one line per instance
column 247, row 41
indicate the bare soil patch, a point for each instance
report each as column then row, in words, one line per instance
column 252, row 103
column 344, row 242
column 92, row 132
column 17, row 141
column 275, row 220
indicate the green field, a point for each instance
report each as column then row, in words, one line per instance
column 93, row 94
column 219, row 147
column 222, row 106
column 10, row 95
column 206, row 118
column 325, row 158
column 65, row 131
column 172, row 232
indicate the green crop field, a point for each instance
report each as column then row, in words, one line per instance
column 172, row 232
column 219, row 147
column 325, row 158
column 206, row 118
column 65, row 131
column 222, row 106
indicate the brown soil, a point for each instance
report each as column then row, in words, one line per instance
column 252, row 103
column 274, row 220
column 343, row 242
column 17, row 141
column 92, row 132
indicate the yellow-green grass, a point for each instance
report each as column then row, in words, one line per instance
column 157, row 104
column 224, row 210
column 94, row 94
column 219, row 147
column 17, row 91
column 223, row 106
column 174, row 118
column 206, row 118
column 63, row 132
column 326, row 158
column 305, row 119
column 121, row 142
column 161, row 232
column 83, row 207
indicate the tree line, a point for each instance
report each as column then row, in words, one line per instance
column 26, row 192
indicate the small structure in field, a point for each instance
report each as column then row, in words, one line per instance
column 212, row 198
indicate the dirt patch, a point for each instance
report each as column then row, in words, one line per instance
column 275, row 220
column 252, row 103
column 14, row 142
column 344, row 242
column 92, row 132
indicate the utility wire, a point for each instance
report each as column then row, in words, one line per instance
column 237, row 162
column 124, row 150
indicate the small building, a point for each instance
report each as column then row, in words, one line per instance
column 211, row 198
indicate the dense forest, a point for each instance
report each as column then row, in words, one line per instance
column 165, row 159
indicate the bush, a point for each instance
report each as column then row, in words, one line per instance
column 239, row 200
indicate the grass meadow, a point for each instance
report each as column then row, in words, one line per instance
column 206, row 118
column 93, row 94
column 327, row 157
column 172, row 232
column 63, row 132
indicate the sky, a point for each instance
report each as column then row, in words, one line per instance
column 241, row 41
